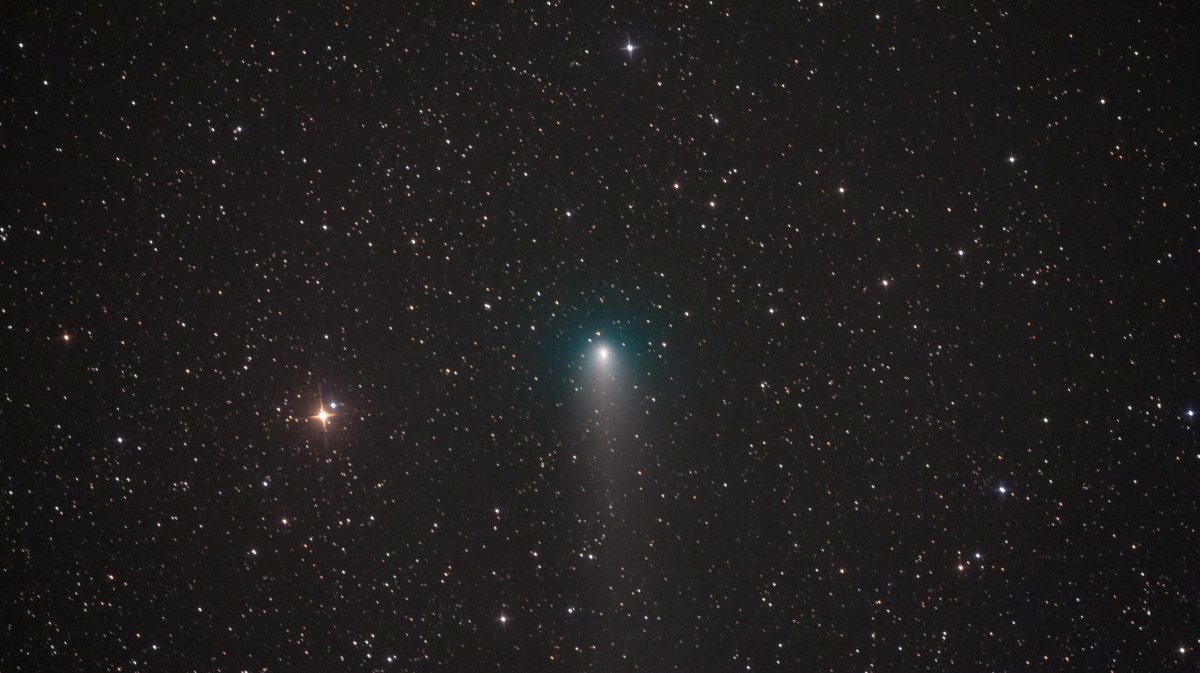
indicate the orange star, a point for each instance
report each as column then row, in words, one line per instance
column 323, row 416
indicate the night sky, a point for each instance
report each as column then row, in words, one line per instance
column 535, row 336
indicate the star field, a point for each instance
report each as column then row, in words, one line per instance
column 472, row 336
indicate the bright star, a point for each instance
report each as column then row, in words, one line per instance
column 629, row 48
column 323, row 416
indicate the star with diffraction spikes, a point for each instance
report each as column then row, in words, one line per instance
column 323, row 415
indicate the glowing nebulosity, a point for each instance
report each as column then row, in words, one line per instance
column 646, row 332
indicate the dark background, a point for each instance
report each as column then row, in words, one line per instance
column 902, row 297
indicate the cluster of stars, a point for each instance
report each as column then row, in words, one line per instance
column 484, row 240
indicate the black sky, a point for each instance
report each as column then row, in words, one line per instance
column 900, row 300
